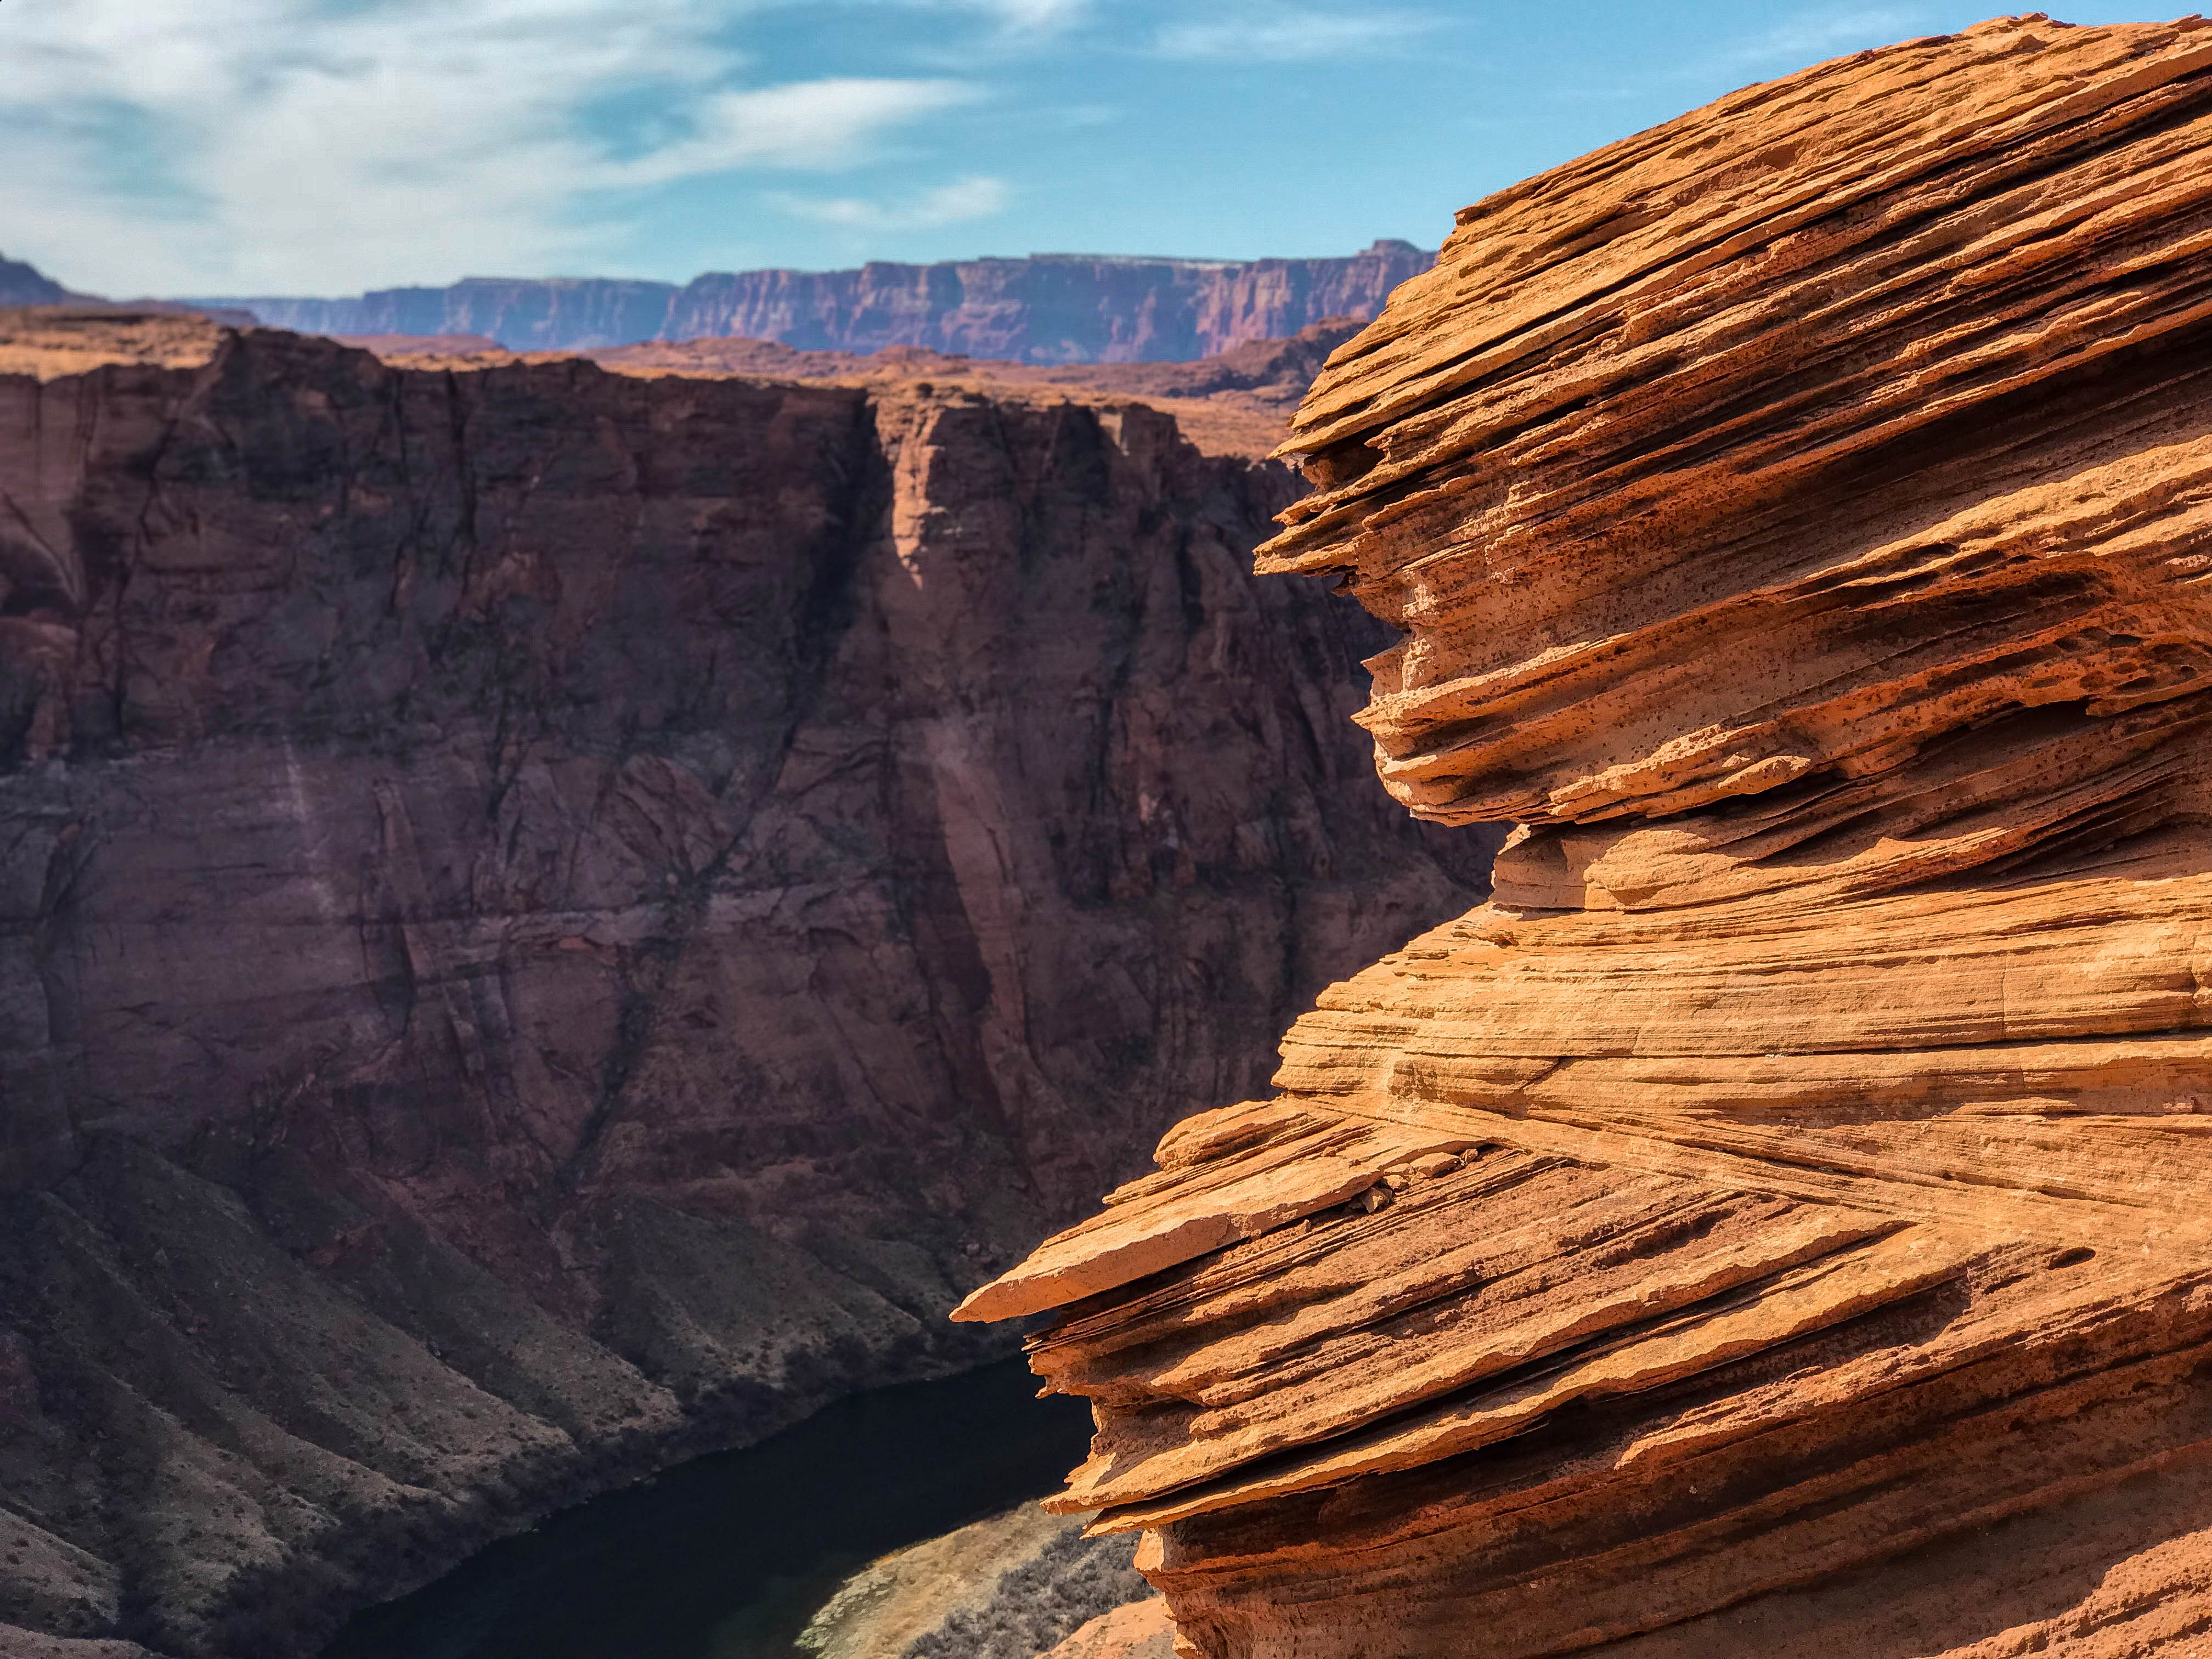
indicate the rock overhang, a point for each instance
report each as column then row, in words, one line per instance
column 1798, row 517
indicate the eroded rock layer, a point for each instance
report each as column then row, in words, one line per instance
column 551, row 918
column 1779, row 1221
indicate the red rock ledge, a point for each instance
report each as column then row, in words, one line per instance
column 1779, row 1222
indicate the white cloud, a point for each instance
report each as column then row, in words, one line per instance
column 1013, row 29
column 1279, row 35
column 1015, row 20
column 953, row 203
column 806, row 124
column 1812, row 37
column 276, row 145
column 1036, row 16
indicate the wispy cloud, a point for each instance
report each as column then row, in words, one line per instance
column 1281, row 35
column 804, row 125
column 953, row 203
column 264, row 144
column 1812, row 36
column 1035, row 17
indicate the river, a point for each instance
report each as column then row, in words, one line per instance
column 728, row 1556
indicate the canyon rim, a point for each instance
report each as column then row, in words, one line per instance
column 1776, row 1222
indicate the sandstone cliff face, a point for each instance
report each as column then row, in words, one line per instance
column 552, row 919
column 1047, row 309
column 1778, row 1221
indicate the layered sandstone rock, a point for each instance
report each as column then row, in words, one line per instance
column 1047, row 308
column 1780, row 1221
column 553, row 918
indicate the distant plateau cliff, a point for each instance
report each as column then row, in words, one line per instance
column 1047, row 308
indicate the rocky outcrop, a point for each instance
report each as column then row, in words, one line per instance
column 554, row 919
column 45, row 342
column 1776, row 1221
column 1139, row 1630
column 1047, row 308
column 1010, row 1586
column 986, row 1576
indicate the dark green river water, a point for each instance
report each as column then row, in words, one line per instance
column 728, row 1557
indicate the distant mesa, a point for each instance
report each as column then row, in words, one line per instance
column 1046, row 308
column 23, row 284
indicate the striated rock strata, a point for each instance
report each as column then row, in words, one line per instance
column 1046, row 308
column 552, row 919
column 1780, row 1220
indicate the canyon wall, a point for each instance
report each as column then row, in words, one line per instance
column 1779, row 1222
column 554, row 919
column 1047, row 308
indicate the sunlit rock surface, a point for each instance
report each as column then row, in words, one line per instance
column 1140, row 1630
column 1002, row 1588
column 1780, row 1221
column 552, row 919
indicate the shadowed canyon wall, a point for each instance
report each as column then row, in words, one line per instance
column 553, row 919
column 1047, row 308
column 1779, row 1222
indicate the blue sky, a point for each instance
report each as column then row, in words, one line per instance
column 326, row 145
